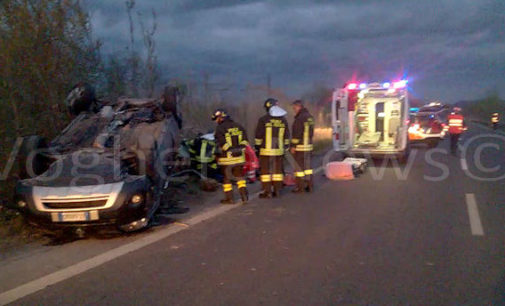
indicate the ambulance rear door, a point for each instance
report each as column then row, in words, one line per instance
column 340, row 120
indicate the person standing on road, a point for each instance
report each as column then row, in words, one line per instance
column 271, row 141
column 231, row 140
column 456, row 127
column 301, row 147
column 495, row 119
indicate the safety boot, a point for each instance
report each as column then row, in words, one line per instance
column 310, row 185
column 266, row 193
column 299, row 185
column 228, row 198
column 277, row 189
column 244, row 195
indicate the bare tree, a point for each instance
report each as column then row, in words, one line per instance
column 151, row 72
column 134, row 58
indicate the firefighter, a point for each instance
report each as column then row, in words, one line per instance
column 271, row 141
column 231, row 140
column 301, row 147
column 456, row 127
column 495, row 119
column 202, row 152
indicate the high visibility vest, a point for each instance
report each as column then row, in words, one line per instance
column 456, row 125
column 202, row 150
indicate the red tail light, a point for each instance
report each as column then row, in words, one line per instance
column 337, row 136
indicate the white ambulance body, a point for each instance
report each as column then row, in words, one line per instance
column 371, row 120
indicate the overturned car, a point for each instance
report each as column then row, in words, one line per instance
column 107, row 167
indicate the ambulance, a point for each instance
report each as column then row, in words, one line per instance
column 371, row 119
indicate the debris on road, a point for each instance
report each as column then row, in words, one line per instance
column 339, row 171
column 345, row 170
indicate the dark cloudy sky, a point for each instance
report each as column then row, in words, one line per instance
column 448, row 49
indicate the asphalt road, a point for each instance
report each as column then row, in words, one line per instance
column 430, row 232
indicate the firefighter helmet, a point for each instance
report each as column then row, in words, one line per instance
column 297, row 102
column 219, row 113
column 269, row 103
column 80, row 98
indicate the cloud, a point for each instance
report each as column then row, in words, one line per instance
column 454, row 43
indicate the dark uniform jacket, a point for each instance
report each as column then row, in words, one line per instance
column 303, row 131
column 231, row 140
column 272, row 135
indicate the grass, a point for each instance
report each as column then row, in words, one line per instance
column 14, row 231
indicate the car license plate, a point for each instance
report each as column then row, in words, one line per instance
column 77, row 216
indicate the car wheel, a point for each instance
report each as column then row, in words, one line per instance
column 432, row 143
column 135, row 225
column 26, row 160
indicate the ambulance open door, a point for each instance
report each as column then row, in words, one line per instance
column 340, row 120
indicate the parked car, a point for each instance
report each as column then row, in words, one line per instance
column 426, row 127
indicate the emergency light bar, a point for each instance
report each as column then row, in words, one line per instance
column 386, row 85
column 400, row 84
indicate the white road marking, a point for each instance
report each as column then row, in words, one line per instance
column 464, row 165
column 88, row 264
column 83, row 266
column 473, row 214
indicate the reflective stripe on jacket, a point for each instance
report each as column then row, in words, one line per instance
column 202, row 150
column 272, row 135
column 231, row 140
column 456, row 123
column 303, row 131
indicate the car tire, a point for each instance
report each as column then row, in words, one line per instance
column 38, row 162
column 432, row 143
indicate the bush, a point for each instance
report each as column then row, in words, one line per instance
column 483, row 109
column 46, row 47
